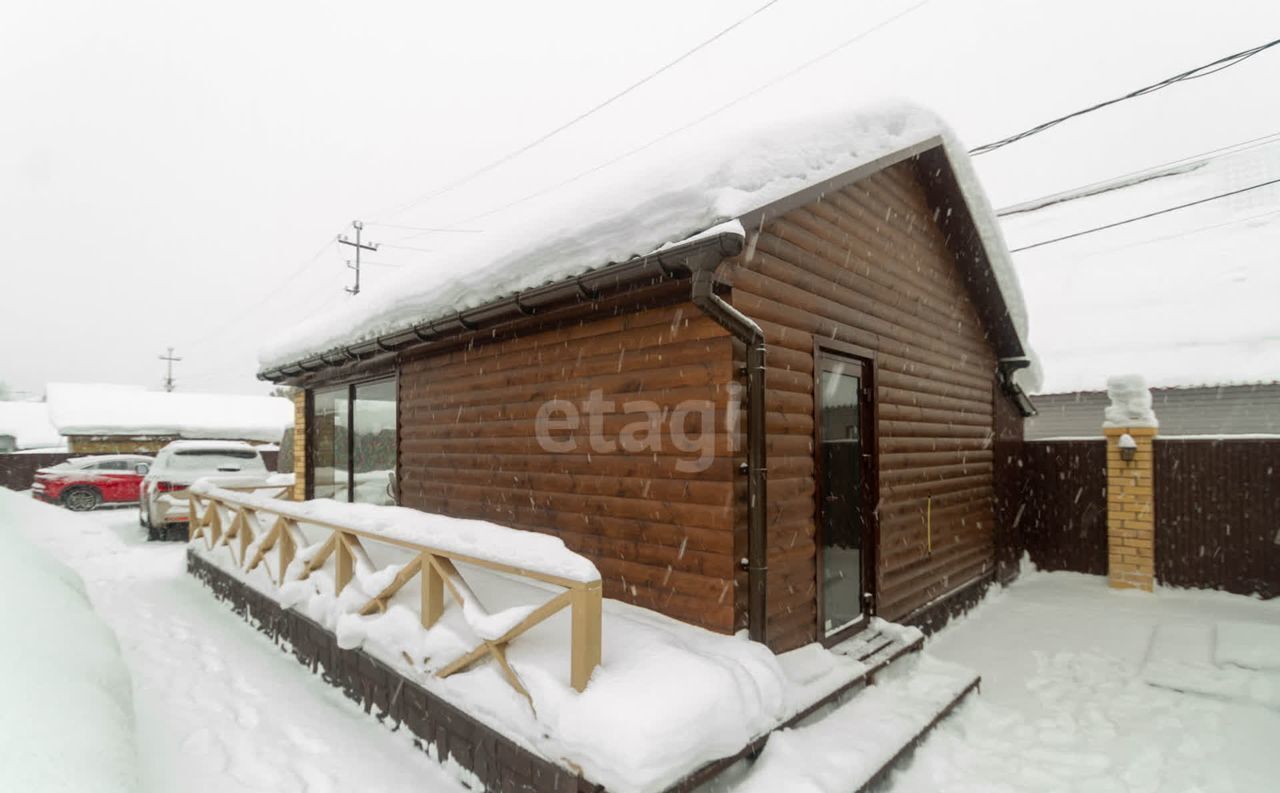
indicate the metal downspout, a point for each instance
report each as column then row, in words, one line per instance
column 743, row 328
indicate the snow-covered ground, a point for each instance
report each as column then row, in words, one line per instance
column 1064, row 705
column 219, row 709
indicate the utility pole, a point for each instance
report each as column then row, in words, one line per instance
column 359, row 246
column 169, row 359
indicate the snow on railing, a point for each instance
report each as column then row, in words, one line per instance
column 235, row 514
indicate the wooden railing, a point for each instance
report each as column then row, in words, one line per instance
column 258, row 526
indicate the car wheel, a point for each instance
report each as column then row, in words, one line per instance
column 142, row 514
column 81, row 499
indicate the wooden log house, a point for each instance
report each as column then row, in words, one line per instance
column 854, row 340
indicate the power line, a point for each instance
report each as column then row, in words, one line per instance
column 433, row 229
column 266, row 297
column 1132, row 177
column 509, row 156
column 407, row 248
column 1191, row 74
column 1147, row 215
column 1198, row 230
column 732, row 102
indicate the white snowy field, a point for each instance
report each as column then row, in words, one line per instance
column 218, row 708
column 1063, row 705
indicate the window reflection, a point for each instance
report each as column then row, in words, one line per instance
column 374, row 443
column 329, row 443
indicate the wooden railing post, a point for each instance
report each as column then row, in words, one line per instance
column 345, row 562
column 215, row 522
column 288, row 548
column 432, row 582
column 586, row 614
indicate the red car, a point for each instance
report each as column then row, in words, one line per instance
column 83, row 483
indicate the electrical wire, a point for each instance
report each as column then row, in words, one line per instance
column 1146, row 216
column 302, row 268
column 1197, row 230
column 1124, row 180
column 421, row 228
column 717, row 111
column 543, row 138
column 1191, row 74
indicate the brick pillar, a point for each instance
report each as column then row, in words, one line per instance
column 300, row 445
column 1130, row 509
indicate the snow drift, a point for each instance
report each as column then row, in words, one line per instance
column 68, row 712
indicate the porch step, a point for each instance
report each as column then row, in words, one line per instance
column 853, row 747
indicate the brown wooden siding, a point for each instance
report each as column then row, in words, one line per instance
column 1218, row 515
column 663, row 538
column 868, row 266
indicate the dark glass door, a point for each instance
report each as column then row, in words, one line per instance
column 844, row 479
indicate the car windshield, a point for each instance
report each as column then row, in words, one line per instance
column 217, row 460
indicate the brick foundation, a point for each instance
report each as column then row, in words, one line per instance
column 1131, row 510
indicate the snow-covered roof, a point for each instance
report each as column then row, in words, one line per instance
column 28, row 423
column 97, row 409
column 667, row 194
column 1186, row 298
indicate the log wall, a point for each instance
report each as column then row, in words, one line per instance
column 868, row 266
column 662, row 537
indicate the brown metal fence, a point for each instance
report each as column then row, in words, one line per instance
column 1060, row 511
column 17, row 470
column 1218, row 514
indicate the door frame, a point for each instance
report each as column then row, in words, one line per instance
column 871, row 483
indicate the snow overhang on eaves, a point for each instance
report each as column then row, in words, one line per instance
column 673, row 261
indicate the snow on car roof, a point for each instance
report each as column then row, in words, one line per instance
column 1185, row 298
column 673, row 190
column 209, row 446
column 98, row 409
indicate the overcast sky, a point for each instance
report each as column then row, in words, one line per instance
column 174, row 174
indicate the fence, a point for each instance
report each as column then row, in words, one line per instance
column 1217, row 511
column 19, row 469
column 1218, row 514
column 251, row 527
column 1061, row 517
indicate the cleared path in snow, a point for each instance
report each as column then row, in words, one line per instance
column 219, row 708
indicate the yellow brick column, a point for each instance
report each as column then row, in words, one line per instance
column 300, row 445
column 1131, row 508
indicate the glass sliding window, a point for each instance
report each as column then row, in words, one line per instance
column 329, row 439
column 373, row 442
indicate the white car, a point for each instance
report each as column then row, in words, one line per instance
column 163, row 499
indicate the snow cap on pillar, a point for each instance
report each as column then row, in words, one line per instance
column 1130, row 402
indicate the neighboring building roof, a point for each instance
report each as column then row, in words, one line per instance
column 1184, row 298
column 28, row 423
column 96, row 409
column 673, row 194
column 1224, row 410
